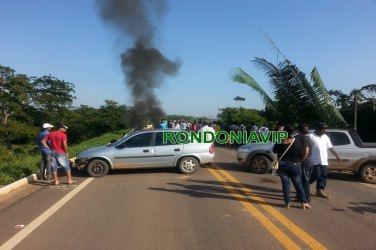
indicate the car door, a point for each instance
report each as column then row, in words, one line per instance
column 345, row 149
column 135, row 152
column 165, row 154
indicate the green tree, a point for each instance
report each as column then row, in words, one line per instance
column 231, row 115
column 114, row 116
column 15, row 93
column 339, row 98
column 369, row 92
column 53, row 97
column 239, row 99
column 362, row 115
column 15, row 132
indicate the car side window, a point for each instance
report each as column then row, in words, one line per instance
column 141, row 140
column 338, row 139
column 159, row 140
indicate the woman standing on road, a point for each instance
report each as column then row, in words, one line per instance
column 291, row 153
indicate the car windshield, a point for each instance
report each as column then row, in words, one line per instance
column 114, row 141
column 131, row 132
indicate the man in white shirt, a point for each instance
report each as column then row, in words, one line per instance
column 183, row 125
column 319, row 158
column 208, row 128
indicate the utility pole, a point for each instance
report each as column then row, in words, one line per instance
column 355, row 110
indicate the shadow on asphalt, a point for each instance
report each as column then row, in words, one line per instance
column 236, row 167
column 82, row 172
column 218, row 190
column 363, row 207
column 233, row 167
column 230, row 167
column 343, row 176
column 144, row 171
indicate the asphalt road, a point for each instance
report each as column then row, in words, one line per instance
column 222, row 206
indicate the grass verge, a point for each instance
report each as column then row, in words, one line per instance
column 19, row 166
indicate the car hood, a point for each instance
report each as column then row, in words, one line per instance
column 94, row 150
column 255, row 146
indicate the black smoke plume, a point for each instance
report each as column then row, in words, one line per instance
column 144, row 65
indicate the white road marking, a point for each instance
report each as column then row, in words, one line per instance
column 12, row 242
column 183, row 177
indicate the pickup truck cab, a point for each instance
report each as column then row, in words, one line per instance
column 355, row 156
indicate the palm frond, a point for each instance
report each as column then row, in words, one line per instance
column 240, row 76
column 265, row 66
column 319, row 87
column 332, row 112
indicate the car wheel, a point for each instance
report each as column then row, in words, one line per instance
column 188, row 165
column 368, row 173
column 97, row 168
column 260, row 164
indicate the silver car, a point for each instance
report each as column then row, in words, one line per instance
column 355, row 156
column 258, row 156
column 145, row 149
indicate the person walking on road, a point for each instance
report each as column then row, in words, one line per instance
column 306, row 165
column 45, row 164
column 319, row 158
column 59, row 147
column 290, row 153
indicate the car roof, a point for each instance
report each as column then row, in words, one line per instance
column 157, row 130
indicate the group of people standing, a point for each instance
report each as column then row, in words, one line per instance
column 54, row 152
column 303, row 159
column 189, row 126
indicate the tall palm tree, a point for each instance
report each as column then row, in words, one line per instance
column 335, row 96
column 295, row 98
column 357, row 94
column 370, row 94
column 239, row 99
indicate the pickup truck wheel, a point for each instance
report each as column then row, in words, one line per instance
column 188, row 165
column 260, row 164
column 368, row 173
column 97, row 168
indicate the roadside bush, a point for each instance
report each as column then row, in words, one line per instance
column 12, row 171
column 15, row 132
column 5, row 179
column 7, row 156
column 17, row 164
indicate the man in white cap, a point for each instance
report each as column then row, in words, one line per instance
column 45, row 164
column 58, row 145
